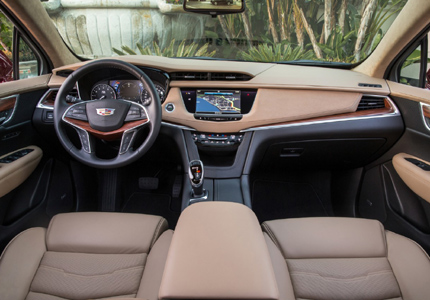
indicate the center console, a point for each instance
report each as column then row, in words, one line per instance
column 209, row 239
column 223, row 154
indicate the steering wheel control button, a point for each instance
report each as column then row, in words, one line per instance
column 135, row 113
column 170, row 107
column 126, row 141
column 77, row 112
column 85, row 140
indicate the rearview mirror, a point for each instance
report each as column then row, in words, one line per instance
column 214, row 7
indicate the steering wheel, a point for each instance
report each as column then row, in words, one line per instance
column 107, row 119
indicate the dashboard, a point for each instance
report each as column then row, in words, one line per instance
column 242, row 116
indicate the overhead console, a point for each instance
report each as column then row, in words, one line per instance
column 218, row 105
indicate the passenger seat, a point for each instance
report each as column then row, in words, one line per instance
column 87, row 256
column 345, row 258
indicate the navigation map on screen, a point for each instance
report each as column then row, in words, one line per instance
column 212, row 101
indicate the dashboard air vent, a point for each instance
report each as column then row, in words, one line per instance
column 230, row 76
column 190, row 76
column 369, row 102
column 205, row 76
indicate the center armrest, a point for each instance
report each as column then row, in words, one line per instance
column 218, row 251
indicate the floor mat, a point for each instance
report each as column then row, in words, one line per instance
column 279, row 200
column 152, row 204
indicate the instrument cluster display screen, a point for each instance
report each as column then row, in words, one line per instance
column 218, row 101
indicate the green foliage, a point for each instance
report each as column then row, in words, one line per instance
column 6, row 35
column 339, row 47
column 414, row 57
column 278, row 52
column 172, row 50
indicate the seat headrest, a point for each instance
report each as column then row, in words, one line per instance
column 104, row 233
column 328, row 237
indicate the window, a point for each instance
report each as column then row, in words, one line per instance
column 414, row 68
column 15, row 65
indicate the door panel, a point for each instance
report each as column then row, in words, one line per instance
column 400, row 205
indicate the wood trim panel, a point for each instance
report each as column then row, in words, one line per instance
column 426, row 111
column 49, row 99
column 108, row 136
column 363, row 113
column 7, row 103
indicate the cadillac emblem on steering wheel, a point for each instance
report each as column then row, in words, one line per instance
column 105, row 111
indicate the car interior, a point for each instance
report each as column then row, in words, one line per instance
column 197, row 173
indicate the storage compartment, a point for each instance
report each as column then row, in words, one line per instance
column 209, row 239
column 327, row 153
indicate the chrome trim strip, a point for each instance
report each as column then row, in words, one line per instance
column 13, row 109
column 40, row 105
column 422, row 105
column 177, row 126
column 202, row 198
column 396, row 112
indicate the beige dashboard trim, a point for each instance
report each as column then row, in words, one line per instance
column 415, row 178
column 266, row 75
column 14, row 173
column 24, row 85
column 271, row 106
column 409, row 92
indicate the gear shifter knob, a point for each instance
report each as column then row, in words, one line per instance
column 196, row 175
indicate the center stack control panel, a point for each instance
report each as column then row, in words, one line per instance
column 217, row 139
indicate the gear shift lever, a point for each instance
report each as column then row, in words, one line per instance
column 196, row 174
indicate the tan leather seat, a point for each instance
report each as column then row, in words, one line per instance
column 340, row 258
column 87, row 256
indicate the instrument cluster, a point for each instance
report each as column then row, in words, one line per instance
column 131, row 90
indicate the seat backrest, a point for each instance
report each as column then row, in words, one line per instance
column 87, row 256
column 345, row 258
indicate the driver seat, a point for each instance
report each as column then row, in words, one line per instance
column 89, row 255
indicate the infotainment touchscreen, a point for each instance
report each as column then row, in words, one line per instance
column 218, row 102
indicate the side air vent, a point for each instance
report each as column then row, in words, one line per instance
column 207, row 76
column 48, row 99
column 369, row 102
column 64, row 73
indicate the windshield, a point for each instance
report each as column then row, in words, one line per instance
column 308, row 31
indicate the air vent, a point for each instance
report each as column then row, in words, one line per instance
column 370, row 85
column 203, row 76
column 190, row 76
column 74, row 93
column 230, row 76
column 64, row 73
column 369, row 102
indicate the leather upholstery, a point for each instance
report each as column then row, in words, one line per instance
column 218, row 252
column 86, row 256
column 342, row 258
column 104, row 232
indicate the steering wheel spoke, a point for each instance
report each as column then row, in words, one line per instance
column 87, row 141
